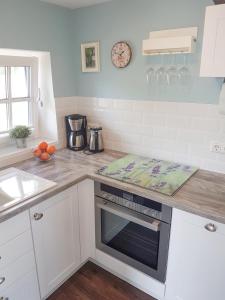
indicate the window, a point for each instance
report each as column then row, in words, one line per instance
column 18, row 90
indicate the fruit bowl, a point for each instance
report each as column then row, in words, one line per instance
column 51, row 157
column 44, row 152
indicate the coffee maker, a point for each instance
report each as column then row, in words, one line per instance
column 76, row 132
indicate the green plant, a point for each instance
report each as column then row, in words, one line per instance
column 20, row 132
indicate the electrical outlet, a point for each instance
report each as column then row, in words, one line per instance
column 217, row 147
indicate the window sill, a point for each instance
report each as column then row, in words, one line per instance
column 10, row 154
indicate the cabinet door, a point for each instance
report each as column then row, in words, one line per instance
column 55, row 230
column 196, row 266
column 23, row 289
column 87, row 219
column 213, row 58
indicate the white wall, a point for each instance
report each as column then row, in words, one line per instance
column 175, row 131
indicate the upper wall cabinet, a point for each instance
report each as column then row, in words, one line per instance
column 213, row 53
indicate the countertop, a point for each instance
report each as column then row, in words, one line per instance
column 203, row 194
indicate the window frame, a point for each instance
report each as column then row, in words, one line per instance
column 15, row 61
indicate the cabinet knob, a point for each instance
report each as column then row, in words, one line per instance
column 211, row 227
column 38, row 216
column 2, row 280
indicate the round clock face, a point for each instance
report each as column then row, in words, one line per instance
column 121, row 54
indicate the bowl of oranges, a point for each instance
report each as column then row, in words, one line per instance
column 44, row 151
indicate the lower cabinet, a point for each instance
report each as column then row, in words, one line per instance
column 23, row 289
column 87, row 219
column 18, row 276
column 55, row 227
column 196, row 266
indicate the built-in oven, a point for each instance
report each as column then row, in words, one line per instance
column 133, row 229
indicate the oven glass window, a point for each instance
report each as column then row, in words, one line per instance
column 131, row 239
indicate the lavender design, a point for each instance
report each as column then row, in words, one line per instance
column 130, row 167
column 158, row 186
column 156, row 170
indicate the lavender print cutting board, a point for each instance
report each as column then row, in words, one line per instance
column 153, row 174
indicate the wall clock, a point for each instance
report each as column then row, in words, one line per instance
column 121, row 54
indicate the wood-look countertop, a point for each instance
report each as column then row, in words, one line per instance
column 203, row 194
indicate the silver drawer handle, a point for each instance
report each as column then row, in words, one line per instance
column 38, row 216
column 211, row 227
column 2, row 279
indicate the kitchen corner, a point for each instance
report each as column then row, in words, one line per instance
column 200, row 201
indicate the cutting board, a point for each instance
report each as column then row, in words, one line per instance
column 158, row 175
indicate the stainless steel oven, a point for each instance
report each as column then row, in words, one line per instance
column 133, row 229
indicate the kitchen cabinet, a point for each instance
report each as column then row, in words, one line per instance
column 55, row 227
column 213, row 58
column 196, row 265
column 87, row 219
column 18, row 275
column 23, row 289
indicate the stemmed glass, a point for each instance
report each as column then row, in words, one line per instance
column 160, row 73
column 150, row 75
column 184, row 72
column 172, row 74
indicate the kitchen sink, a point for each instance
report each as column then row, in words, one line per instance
column 17, row 186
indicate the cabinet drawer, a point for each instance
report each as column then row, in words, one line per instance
column 14, row 227
column 16, row 270
column 15, row 248
column 181, row 216
column 23, row 289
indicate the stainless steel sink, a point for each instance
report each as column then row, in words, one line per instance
column 17, row 186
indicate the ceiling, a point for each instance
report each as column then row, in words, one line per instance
column 72, row 4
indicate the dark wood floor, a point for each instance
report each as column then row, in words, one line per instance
column 94, row 283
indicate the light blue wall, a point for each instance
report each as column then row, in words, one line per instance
column 132, row 20
column 34, row 25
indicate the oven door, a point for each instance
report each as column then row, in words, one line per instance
column 135, row 239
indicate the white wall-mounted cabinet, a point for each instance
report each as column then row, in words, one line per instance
column 213, row 51
column 55, row 226
column 196, row 265
column 173, row 41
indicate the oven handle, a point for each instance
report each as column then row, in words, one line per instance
column 107, row 206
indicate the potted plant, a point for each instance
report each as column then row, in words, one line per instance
column 20, row 133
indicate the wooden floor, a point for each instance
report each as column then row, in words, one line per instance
column 94, row 283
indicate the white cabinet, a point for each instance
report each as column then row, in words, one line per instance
column 87, row 219
column 23, row 289
column 55, row 226
column 196, row 265
column 18, row 275
column 213, row 58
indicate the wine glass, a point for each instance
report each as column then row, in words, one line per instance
column 172, row 73
column 160, row 74
column 150, row 75
column 184, row 72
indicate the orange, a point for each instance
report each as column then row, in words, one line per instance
column 51, row 149
column 43, row 146
column 44, row 156
column 37, row 152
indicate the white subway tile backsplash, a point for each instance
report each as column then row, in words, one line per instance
column 174, row 131
column 154, row 119
column 144, row 106
column 205, row 124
